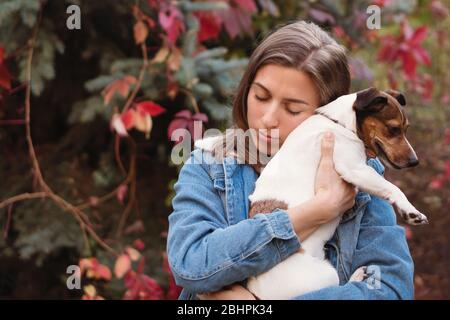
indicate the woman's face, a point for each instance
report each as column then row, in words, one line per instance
column 279, row 99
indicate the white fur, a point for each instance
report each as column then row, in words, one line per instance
column 290, row 175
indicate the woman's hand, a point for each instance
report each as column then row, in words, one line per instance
column 334, row 195
column 233, row 292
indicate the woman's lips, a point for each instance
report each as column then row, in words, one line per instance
column 266, row 138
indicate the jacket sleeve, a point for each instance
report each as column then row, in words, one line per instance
column 382, row 247
column 204, row 252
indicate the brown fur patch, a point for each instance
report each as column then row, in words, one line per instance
column 382, row 128
column 266, row 206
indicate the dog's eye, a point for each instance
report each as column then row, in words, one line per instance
column 395, row 131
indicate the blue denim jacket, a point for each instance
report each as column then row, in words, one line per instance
column 212, row 243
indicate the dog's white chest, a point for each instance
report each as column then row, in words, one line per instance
column 290, row 177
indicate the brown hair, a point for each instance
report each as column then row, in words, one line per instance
column 300, row 45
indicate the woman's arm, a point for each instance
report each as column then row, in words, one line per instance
column 381, row 245
column 204, row 253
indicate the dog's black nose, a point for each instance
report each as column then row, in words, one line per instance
column 413, row 162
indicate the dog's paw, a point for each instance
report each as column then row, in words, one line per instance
column 359, row 275
column 415, row 218
column 410, row 214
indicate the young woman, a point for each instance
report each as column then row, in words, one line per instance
column 213, row 247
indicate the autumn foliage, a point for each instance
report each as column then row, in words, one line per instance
column 88, row 179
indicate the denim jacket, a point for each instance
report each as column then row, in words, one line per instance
column 212, row 243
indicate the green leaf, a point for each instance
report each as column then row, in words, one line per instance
column 42, row 68
column 210, row 54
column 202, row 90
column 218, row 111
column 126, row 66
column 101, row 82
column 203, row 6
column 8, row 8
column 187, row 75
column 86, row 111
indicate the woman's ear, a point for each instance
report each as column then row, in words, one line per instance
column 397, row 95
column 369, row 100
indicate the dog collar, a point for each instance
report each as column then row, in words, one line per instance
column 334, row 120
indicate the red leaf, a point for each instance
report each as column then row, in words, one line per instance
column 447, row 170
column 409, row 64
column 140, row 32
column 447, row 137
column 122, row 192
column 185, row 114
column 247, row 5
column 181, row 121
column 237, row 19
column 151, row 289
column 439, row 9
column 103, row 272
column 121, row 86
column 128, row 119
column 422, row 56
column 381, row 3
column 245, row 21
column 210, row 24
column 5, row 78
column 171, row 20
column 177, row 123
column 418, row 36
column 95, row 269
column 139, row 244
column 407, row 48
column 150, row 108
column 87, row 263
column 142, row 287
column 437, row 182
column 408, row 232
column 152, row 3
column 173, row 291
column 122, row 266
column 141, row 266
column 200, row 116
column 185, row 120
column 321, row 16
column 133, row 253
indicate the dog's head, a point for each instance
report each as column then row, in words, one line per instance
column 382, row 125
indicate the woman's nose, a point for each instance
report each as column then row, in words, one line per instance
column 270, row 117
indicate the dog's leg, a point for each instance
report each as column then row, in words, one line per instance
column 367, row 179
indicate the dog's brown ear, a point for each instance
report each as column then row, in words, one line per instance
column 370, row 100
column 397, row 95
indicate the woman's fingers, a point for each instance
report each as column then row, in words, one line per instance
column 327, row 149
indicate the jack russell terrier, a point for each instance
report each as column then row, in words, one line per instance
column 365, row 124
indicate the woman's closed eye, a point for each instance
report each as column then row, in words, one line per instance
column 261, row 98
column 294, row 113
column 288, row 109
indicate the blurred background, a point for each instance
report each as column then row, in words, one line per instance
column 88, row 180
